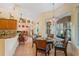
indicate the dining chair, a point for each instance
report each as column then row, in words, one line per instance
column 50, row 37
column 33, row 40
column 41, row 45
column 21, row 39
column 61, row 47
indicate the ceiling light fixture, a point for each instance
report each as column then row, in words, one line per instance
column 53, row 4
column 54, row 19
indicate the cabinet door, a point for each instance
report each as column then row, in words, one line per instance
column 3, row 24
column 12, row 24
column 8, row 24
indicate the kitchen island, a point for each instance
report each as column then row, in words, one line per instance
column 10, row 45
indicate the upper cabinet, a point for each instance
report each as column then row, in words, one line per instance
column 8, row 24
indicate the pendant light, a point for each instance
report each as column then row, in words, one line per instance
column 54, row 18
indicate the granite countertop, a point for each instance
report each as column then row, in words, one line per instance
column 4, row 34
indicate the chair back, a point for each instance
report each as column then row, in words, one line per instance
column 51, row 35
column 65, row 43
column 40, row 43
column 21, row 38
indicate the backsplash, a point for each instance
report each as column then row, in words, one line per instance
column 7, row 34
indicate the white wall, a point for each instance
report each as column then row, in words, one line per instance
column 2, row 48
column 10, row 46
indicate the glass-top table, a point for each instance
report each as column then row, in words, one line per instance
column 54, row 41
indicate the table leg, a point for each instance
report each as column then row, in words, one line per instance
column 52, row 45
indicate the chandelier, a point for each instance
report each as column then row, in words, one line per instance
column 22, row 19
column 54, row 19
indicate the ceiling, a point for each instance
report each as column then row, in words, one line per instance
column 31, row 10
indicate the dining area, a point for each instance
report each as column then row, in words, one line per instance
column 40, row 46
column 55, row 41
column 45, row 45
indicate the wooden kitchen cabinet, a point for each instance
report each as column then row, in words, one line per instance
column 7, row 24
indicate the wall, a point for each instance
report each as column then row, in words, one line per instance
column 42, row 21
column 78, row 24
column 2, row 47
column 4, row 13
column 20, row 26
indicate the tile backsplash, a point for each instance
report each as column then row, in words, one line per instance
column 7, row 34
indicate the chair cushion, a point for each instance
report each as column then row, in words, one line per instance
column 59, row 36
column 43, row 49
column 59, row 46
column 39, row 48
